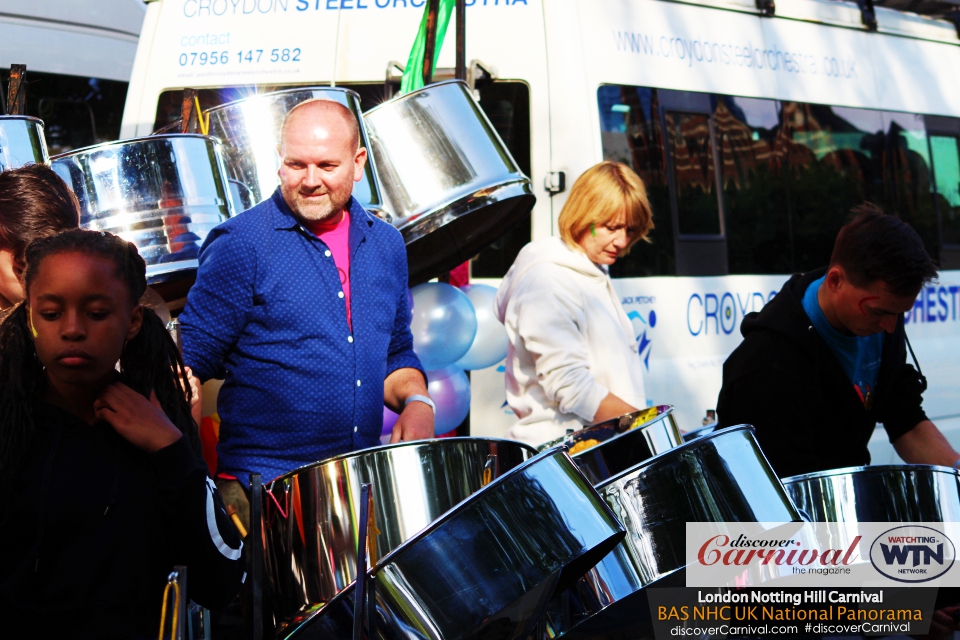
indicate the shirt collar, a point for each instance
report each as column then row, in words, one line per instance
column 284, row 219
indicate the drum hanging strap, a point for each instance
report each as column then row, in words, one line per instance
column 923, row 378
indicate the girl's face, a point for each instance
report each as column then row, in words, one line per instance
column 11, row 291
column 80, row 315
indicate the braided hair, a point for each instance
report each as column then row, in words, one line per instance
column 150, row 361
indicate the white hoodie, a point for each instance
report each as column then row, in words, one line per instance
column 570, row 341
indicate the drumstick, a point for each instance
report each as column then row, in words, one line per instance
column 232, row 512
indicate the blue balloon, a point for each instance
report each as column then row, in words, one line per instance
column 449, row 389
column 490, row 345
column 444, row 324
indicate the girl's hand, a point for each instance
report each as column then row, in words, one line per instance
column 196, row 401
column 139, row 421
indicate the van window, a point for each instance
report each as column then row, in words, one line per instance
column 790, row 173
column 76, row 111
column 946, row 158
column 631, row 131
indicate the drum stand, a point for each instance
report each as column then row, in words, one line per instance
column 366, row 586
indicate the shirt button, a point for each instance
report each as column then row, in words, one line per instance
column 349, row 338
column 358, row 383
column 354, row 429
column 340, row 295
column 327, row 253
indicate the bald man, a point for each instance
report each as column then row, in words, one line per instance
column 301, row 306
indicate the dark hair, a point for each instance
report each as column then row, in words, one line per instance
column 875, row 246
column 34, row 203
column 149, row 362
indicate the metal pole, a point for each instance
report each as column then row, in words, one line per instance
column 189, row 118
column 256, row 553
column 461, row 69
column 17, row 90
column 433, row 9
column 359, row 592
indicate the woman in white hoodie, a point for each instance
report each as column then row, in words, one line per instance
column 573, row 358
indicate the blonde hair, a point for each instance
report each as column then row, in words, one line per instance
column 601, row 194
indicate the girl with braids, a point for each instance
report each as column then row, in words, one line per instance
column 102, row 487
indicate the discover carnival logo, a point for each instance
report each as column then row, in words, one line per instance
column 912, row 554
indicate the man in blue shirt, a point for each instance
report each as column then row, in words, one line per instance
column 311, row 345
column 825, row 360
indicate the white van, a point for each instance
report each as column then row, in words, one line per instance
column 79, row 56
column 754, row 133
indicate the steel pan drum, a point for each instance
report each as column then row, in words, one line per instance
column 720, row 477
column 250, row 132
column 448, row 179
column 311, row 531
column 21, row 142
column 486, row 568
column 605, row 449
column 884, row 493
column 162, row 193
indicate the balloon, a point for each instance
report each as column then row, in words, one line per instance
column 444, row 324
column 449, row 389
column 389, row 419
column 490, row 345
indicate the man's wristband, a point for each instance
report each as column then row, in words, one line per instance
column 956, row 465
column 424, row 399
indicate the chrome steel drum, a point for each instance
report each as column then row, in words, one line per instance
column 486, row 568
column 884, row 493
column 605, row 449
column 162, row 193
column 720, row 477
column 448, row 179
column 21, row 142
column 311, row 528
column 250, row 132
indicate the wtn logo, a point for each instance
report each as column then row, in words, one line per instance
column 900, row 553
column 912, row 553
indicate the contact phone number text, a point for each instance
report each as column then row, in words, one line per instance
column 248, row 56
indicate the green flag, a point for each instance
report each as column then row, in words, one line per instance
column 413, row 72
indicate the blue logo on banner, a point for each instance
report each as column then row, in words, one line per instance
column 643, row 342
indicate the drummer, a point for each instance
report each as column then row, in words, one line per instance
column 34, row 203
column 301, row 305
column 825, row 360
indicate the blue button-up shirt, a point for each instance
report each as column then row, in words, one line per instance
column 265, row 314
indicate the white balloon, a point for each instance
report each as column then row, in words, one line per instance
column 490, row 344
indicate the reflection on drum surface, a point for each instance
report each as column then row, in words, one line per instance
column 487, row 568
column 311, row 528
column 721, row 477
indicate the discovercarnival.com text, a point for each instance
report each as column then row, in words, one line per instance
column 737, row 54
column 767, row 630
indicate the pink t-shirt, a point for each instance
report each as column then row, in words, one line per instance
column 336, row 236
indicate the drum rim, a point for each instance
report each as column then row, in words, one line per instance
column 872, row 469
column 21, row 117
column 693, row 444
column 131, row 141
column 398, row 445
column 405, row 96
column 312, row 87
column 637, row 429
column 667, row 409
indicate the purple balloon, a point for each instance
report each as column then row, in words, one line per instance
column 389, row 419
column 449, row 389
